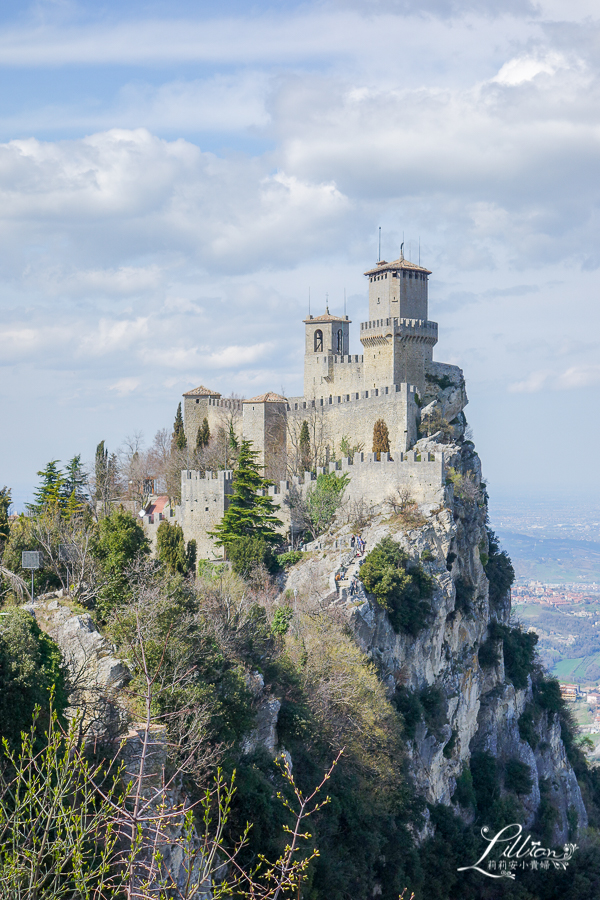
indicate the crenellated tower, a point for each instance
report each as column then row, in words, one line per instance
column 398, row 339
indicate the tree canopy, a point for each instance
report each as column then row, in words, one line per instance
column 249, row 514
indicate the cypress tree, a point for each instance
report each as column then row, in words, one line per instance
column 101, row 471
column 304, row 447
column 5, row 501
column 178, row 439
column 381, row 438
column 249, row 514
column 203, row 436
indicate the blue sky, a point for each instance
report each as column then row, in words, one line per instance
column 175, row 176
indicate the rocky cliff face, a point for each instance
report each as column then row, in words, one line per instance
column 480, row 706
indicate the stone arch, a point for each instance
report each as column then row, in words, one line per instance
column 318, row 341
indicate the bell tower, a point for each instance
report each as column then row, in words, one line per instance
column 327, row 337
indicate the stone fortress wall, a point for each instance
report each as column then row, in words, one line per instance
column 344, row 395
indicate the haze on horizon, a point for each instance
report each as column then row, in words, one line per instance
column 173, row 180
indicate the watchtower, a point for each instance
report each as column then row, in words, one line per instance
column 327, row 337
column 398, row 339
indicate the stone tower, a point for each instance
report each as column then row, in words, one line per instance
column 327, row 338
column 398, row 339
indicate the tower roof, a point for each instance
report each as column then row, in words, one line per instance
column 326, row 317
column 201, row 391
column 401, row 263
column 269, row 397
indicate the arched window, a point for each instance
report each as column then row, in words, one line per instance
column 340, row 342
column 318, row 341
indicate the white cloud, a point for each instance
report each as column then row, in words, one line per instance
column 525, row 68
column 125, row 386
column 574, row 378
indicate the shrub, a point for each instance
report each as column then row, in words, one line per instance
column 486, row 782
column 119, row 542
column 548, row 696
column 499, row 570
column 433, row 702
column 246, row 553
column 517, row 777
column 465, row 593
column 281, row 621
column 489, row 653
column 289, row 559
column 170, row 547
column 519, row 652
column 399, row 587
column 30, row 669
column 527, row 726
column 409, row 706
column 427, row 555
column 464, row 793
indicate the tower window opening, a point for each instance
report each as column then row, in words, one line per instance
column 318, row 341
column 386, row 274
column 340, row 342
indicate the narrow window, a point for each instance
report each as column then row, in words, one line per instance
column 340, row 342
column 318, row 341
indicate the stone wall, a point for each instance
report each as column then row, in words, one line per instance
column 203, row 504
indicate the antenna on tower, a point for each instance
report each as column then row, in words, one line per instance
column 344, row 301
column 309, row 303
column 402, row 250
column 379, row 257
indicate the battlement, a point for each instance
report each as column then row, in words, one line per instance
column 300, row 403
column 422, row 328
column 223, row 475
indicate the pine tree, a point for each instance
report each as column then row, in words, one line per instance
column 304, row 447
column 170, row 547
column 203, row 436
column 178, row 438
column 249, row 514
column 50, row 491
column 76, row 480
column 381, row 438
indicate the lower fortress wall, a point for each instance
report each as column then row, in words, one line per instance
column 204, row 499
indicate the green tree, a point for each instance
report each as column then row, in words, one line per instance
column 381, row 438
column 249, row 513
column 120, row 540
column 248, row 552
column 323, row 501
column 30, row 670
column 178, row 438
column 304, row 447
column 50, row 492
column 191, row 556
column 399, row 586
column 170, row 547
column 203, row 435
column 5, row 502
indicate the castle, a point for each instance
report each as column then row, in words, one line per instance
column 394, row 379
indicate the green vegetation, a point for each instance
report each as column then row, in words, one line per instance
column 170, row 547
column 304, row 448
column 178, row 438
column 399, row 586
column 203, row 435
column 323, row 501
column 517, row 777
column 31, row 671
column 290, row 558
column 249, row 514
column 248, row 553
column 499, row 571
column 119, row 541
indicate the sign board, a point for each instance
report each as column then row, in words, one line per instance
column 31, row 559
column 67, row 553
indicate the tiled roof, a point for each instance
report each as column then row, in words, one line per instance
column 157, row 505
column 397, row 264
column 269, row 397
column 201, row 391
column 327, row 317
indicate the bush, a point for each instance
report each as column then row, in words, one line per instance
column 120, row 540
column 517, row 777
column 548, row 696
column 170, row 547
column 489, row 653
column 246, row 553
column 433, row 702
column 289, row 559
column 527, row 726
column 281, row 621
column 30, row 669
column 465, row 593
column 499, row 571
column 519, row 652
column 399, row 586
column 464, row 793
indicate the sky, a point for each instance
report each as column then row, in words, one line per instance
column 176, row 177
